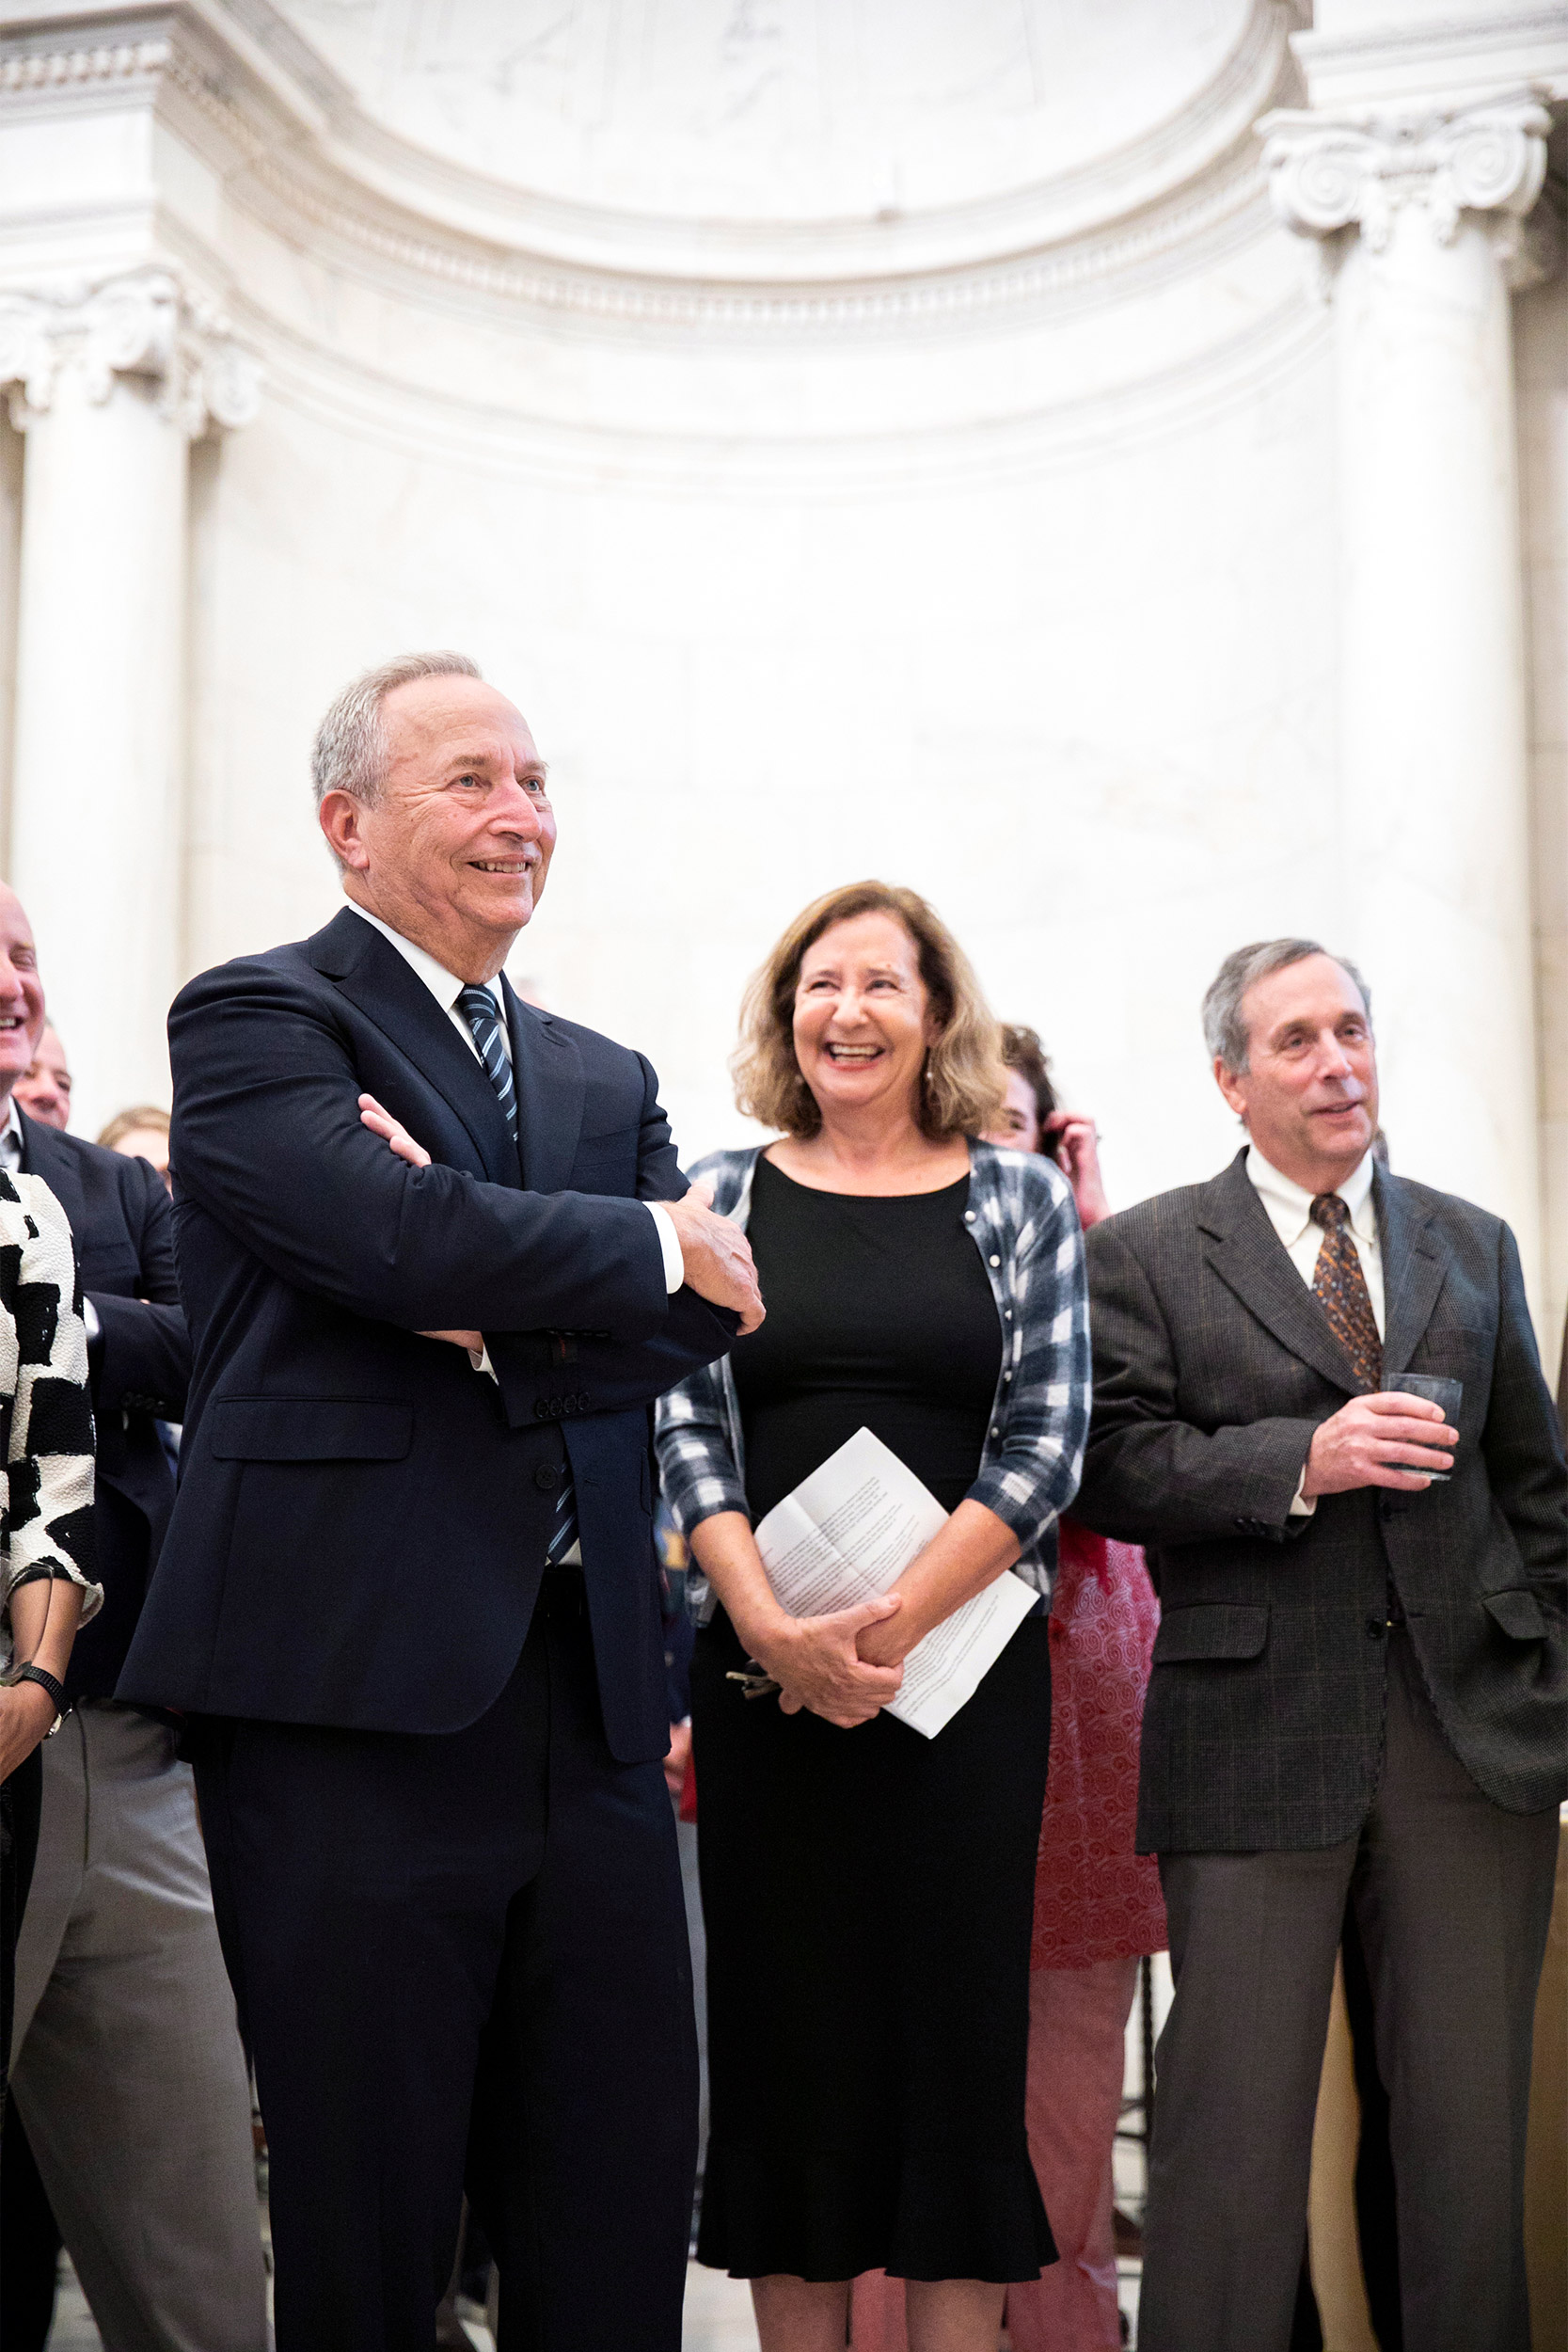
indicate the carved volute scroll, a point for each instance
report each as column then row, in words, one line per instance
column 143, row 322
column 1330, row 172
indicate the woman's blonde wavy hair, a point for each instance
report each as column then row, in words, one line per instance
column 963, row 1085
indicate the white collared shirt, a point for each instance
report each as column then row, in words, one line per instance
column 446, row 987
column 443, row 985
column 1290, row 1208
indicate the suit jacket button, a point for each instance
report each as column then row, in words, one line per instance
column 1375, row 1629
column 582, row 1400
column 1387, row 1507
column 546, row 1476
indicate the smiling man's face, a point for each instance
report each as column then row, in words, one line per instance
column 1309, row 1094
column 21, row 992
column 454, row 850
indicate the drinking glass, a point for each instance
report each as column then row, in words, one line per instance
column 1445, row 1393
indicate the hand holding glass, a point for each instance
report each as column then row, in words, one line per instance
column 1448, row 1395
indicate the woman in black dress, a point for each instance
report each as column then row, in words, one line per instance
column 868, row 1892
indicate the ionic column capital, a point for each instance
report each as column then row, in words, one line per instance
column 1329, row 172
column 143, row 322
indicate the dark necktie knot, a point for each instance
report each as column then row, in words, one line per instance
column 477, row 1004
column 1330, row 1211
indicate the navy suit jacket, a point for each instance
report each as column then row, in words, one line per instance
column 362, row 1517
column 139, row 1365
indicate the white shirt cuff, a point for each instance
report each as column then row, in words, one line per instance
column 89, row 1317
column 669, row 1243
column 481, row 1364
column 1300, row 1507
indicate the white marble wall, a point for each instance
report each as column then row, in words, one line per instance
column 1540, row 352
column 1088, row 709
column 10, row 550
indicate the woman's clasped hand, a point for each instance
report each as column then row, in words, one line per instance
column 816, row 1661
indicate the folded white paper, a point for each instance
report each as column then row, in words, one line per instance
column 848, row 1532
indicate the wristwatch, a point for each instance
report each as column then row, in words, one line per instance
column 45, row 1681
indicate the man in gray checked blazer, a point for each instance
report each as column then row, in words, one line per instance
column 1359, row 1685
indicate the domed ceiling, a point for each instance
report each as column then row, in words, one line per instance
column 730, row 115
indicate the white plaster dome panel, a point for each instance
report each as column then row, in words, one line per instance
column 765, row 136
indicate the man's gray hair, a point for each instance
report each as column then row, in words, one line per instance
column 1224, row 1030
column 349, row 749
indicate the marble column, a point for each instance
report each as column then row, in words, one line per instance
column 110, row 384
column 1420, row 215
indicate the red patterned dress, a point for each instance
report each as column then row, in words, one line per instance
column 1096, row 1898
column 1096, row 1907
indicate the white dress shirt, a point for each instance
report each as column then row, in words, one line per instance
column 1290, row 1208
column 446, row 987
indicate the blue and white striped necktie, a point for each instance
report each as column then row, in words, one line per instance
column 479, row 1010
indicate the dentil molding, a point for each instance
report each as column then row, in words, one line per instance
column 143, row 322
column 1328, row 172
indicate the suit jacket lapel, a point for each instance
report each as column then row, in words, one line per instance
column 1413, row 1270
column 1249, row 1258
column 375, row 977
column 546, row 1069
column 42, row 1155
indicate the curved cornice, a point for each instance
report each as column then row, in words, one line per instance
column 1266, row 355
column 294, row 149
column 1233, row 201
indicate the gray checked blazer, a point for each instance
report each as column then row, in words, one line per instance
column 1213, row 1365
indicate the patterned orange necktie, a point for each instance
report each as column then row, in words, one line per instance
column 1340, row 1288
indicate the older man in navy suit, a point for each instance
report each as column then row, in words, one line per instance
column 437, row 1259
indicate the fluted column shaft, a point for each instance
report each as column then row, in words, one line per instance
column 1422, row 218
column 109, row 387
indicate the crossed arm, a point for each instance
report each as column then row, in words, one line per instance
column 268, row 1139
column 715, row 1255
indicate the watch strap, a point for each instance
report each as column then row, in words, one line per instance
column 45, row 1681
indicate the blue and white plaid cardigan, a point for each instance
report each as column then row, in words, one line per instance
column 1025, row 1227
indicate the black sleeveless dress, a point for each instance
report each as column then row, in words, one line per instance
column 869, row 1894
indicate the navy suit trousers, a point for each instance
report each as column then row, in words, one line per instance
column 461, row 1959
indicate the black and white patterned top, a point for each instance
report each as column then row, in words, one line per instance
column 1021, row 1217
column 46, row 1525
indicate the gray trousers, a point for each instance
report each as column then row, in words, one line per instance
column 1452, row 1896
column 127, row 2068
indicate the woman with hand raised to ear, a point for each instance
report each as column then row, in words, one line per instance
column 868, row 1892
